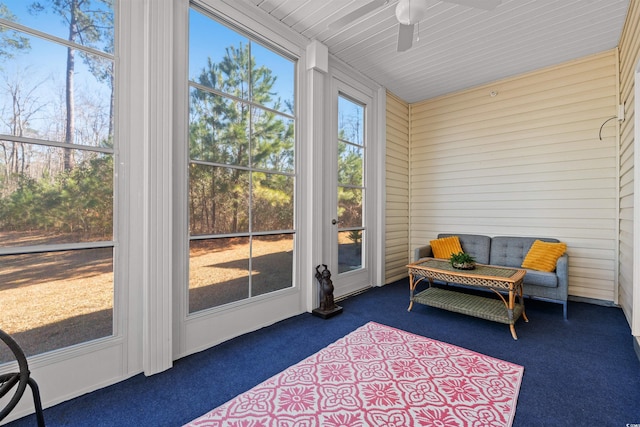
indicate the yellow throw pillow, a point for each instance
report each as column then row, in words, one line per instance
column 543, row 255
column 444, row 247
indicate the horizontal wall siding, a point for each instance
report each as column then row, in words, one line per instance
column 526, row 161
column 397, row 189
column 629, row 53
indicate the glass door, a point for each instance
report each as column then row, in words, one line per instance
column 350, row 252
column 350, row 189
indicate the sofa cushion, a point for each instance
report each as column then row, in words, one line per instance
column 475, row 245
column 540, row 278
column 445, row 247
column 510, row 251
column 543, row 256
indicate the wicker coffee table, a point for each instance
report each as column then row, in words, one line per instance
column 505, row 282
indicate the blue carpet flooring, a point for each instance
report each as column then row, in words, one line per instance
column 578, row 372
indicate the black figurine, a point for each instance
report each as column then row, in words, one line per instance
column 327, row 307
column 326, row 288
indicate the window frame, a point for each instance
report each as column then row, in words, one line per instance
column 266, row 44
column 13, row 250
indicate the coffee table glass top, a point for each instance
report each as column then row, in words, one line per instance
column 480, row 270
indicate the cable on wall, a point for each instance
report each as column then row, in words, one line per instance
column 605, row 122
column 619, row 116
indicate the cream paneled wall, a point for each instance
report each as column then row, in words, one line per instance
column 397, row 189
column 527, row 161
column 629, row 49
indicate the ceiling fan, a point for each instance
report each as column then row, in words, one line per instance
column 408, row 13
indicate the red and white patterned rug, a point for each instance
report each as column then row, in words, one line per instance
column 380, row 376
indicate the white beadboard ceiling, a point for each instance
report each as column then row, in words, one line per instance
column 459, row 47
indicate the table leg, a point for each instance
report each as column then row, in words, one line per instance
column 524, row 315
column 513, row 332
column 512, row 300
column 412, row 287
column 413, row 284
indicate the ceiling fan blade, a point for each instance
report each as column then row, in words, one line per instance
column 478, row 4
column 358, row 13
column 405, row 37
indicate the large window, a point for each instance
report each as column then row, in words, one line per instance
column 241, row 166
column 56, row 172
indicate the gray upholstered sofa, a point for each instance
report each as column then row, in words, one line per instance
column 510, row 251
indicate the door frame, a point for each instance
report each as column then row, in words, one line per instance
column 342, row 80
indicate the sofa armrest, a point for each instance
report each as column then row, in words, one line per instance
column 422, row 252
column 562, row 271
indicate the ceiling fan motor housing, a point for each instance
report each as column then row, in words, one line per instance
column 410, row 12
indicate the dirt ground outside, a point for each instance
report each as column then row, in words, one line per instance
column 54, row 300
column 58, row 299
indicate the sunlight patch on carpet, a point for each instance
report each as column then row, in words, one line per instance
column 380, row 376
